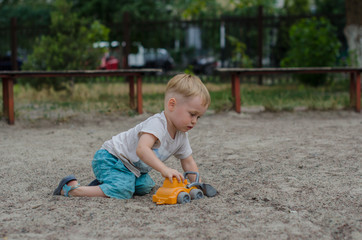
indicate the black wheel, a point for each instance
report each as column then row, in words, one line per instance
column 183, row 197
column 196, row 194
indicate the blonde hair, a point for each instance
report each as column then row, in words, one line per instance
column 188, row 85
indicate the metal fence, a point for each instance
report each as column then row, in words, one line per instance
column 263, row 36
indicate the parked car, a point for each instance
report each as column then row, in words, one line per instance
column 111, row 58
column 150, row 58
column 140, row 57
column 5, row 63
column 204, row 65
column 109, row 62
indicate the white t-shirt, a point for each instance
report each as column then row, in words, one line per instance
column 124, row 145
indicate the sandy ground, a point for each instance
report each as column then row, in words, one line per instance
column 279, row 176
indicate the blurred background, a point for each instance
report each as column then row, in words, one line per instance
column 194, row 36
column 198, row 35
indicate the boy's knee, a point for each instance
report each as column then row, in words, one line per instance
column 143, row 190
column 144, row 185
column 123, row 192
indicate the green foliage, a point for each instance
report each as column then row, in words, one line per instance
column 28, row 13
column 67, row 47
column 328, row 7
column 33, row 14
column 192, row 9
column 290, row 7
column 238, row 54
column 189, row 70
column 250, row 6
column 312, row 44
column 296, row 7
column 111, row 11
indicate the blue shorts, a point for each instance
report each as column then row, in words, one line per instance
column 116, row 180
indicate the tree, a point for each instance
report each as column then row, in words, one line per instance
column 290, row 8
column 313, row 43
column 191, row 9
column 327, row 7
column 67, row 47
column 297, row 7
column 111, row 11
column 242, row 7
column 353, row 31
column 27, row 12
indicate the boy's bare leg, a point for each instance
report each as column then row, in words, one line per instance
column 84, row 191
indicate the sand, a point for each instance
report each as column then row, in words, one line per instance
column 279, row 176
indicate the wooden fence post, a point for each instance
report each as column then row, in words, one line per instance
column 352, row 89
column 126, row 44
column 358, row 91
column 8, row 100
column 235, row 90
column 139, row 94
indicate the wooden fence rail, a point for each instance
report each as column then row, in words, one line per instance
column 237, row 73
column 8, row 78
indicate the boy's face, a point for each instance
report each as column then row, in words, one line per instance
column 184, row 112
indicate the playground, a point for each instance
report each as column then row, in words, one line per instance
column 284, row 175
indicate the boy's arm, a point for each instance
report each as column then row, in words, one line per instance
column 145, row 153
column 189, row 164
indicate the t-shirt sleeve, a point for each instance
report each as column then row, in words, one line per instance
column 154, row 127
column 185, row 149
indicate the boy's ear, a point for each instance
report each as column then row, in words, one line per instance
column 171, row 104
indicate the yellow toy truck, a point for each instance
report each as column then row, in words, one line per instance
column 182, row 192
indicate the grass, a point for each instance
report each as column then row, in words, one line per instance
column 292, row 96
column 110, row 98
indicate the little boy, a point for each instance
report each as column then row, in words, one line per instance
column 122, row 164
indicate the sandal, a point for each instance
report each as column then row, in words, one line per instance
column 67, row 189
column 63, row 185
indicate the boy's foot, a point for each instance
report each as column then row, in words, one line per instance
column 71, row 180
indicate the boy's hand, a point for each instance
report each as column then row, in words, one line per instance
column 170, row 173
column 144, row 152
column 189, row 164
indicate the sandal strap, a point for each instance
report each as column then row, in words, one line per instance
column 67, row 189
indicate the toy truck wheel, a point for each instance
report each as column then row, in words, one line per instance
column 183, row 197
column 196, row 194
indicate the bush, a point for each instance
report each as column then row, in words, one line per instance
column 238, row 54
column 67, row 47
column 313, row 43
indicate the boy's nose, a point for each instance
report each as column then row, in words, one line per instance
column 194, row 120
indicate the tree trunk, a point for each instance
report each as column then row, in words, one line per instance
column 353, row 31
